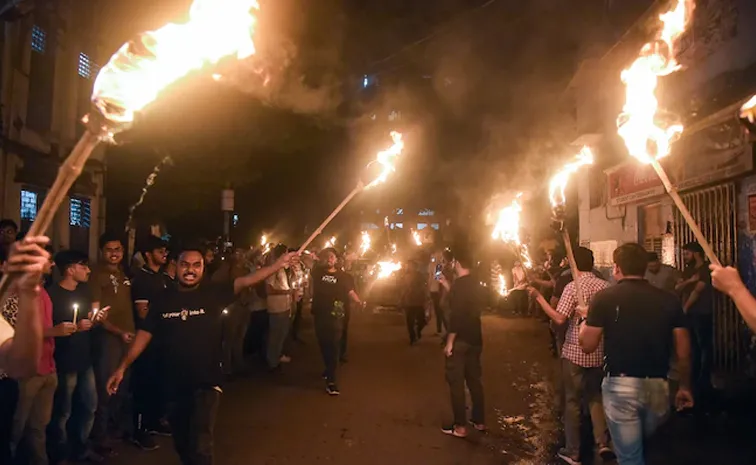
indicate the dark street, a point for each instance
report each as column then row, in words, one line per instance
column 393, row 401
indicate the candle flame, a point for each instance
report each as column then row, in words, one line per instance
column 558, row 183
column 387, row 158
column 416, row 238
column 748, row 110
column 366, row 243
column 386, row 269
column 646, row 136
column 143, row 67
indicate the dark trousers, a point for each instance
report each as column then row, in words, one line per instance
column 147, row 391
column 344, row 334
column 415, row 321
column 440, row 318
column 328, row 330
column 8, row 401
column 296, row 322
column 192, row 419
column 256, row 333
column 113, row 412
column 519, row 302
column 463, row 367
column 701, row 329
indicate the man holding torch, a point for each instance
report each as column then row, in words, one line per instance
column 186, row 324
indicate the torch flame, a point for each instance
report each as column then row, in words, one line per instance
column 393, row 248
column 646, row 137
column 263, row 240
column 142, row 68
column 387, row 158
column 507, row 229
column 386, row 269
column 558, row 183
column 748, row 110
column 501, row 288
column 330, row 243
column 366, row 242
column 416, row 238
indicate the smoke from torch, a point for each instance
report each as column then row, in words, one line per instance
column 167, row 160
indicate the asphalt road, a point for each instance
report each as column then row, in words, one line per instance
column 393, row 401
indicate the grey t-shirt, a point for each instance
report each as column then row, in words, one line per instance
column 279, row 303
column 665, row 279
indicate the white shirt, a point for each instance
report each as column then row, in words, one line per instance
column 279, row 303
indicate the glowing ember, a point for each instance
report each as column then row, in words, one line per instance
column 501, row 287
column 748, row 110
column 142, row 68
column 387, row 158
column 646, row 135
column 386, row 269
column 366, row 242
column 558, row 183
column 416, row 238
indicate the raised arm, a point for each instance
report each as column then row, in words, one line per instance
column 263, row 273
column 727, row 280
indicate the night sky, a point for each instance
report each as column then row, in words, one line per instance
column 476, row 82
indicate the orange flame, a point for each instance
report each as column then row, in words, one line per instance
column 330, row 243
column 501, row 287
column 416, row 238
column 507, row 229
column 142, row 68
column 366, row 243
column 387, row 158
column 386, row 269
column 748, row 110
column 646, row 137
column 558, row 183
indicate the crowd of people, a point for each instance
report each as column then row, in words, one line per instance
column 90, row 356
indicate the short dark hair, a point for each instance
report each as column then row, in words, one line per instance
column 154, row 243
column 653, row 257
column 694, row 247
column 191, row 248
column 8, row 223
column 279, row 250
column 584, row 259
column 67, row 258
column 631, row 258
column 323, row 252
column 463, row 255
column 109, row 236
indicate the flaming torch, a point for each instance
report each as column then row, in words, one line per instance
column 416, row 238
column 330, row 243
column 388, row 268
column 557, row 185
column 647, row 134
column 507, row 229
column 386, row 159
column 501, row 286
column 748, row 115
column 138, row 72
column 366, row 243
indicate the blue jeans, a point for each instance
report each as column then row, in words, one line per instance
column 74, row 408
column 634, row 407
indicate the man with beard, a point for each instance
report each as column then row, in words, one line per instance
column 697, row 299
column 185, row 323
column 150, row 281
column 111, row 287
column 331, row 291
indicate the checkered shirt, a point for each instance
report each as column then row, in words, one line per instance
column 590, row 285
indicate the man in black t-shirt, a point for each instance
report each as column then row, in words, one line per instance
column 185, row 323
column 639, row 324
column 331, row 291
column 464, row 344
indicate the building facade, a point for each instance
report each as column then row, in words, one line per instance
column 712, row 165
column 48, row 65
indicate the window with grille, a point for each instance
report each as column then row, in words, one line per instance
column 80, row 213
column 38, row 39
column 29, row 203
column 86, row 67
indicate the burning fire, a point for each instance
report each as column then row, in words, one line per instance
column 263, row 240
column 416, row 238
column 507, row 229
column 558, row 183
column 387, row 158
column 748, row 110
column 646, row 137
column 393, row 248
column 366, row 242
column 501, row 287
column 386, row 269
column 143, row 67
column 330, row 242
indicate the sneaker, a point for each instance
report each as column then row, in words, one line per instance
column 332, row 389
column 478, row 426
column 572, row 459
column 454, row 430
column 606, row 453
column 285, row 359
column 144, row 441
column 160, row 430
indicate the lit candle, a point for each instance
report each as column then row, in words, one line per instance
column 76, row 312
